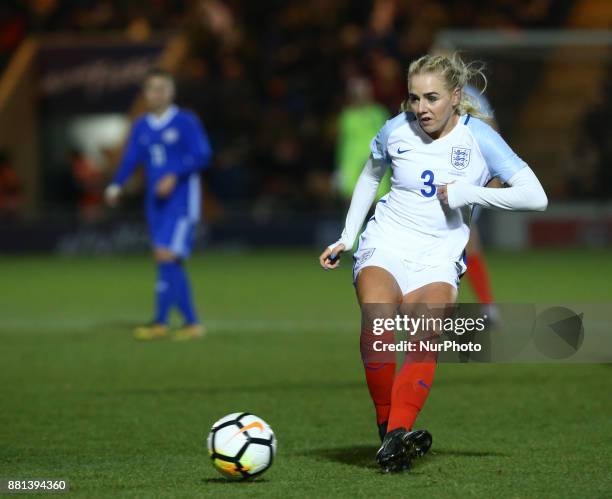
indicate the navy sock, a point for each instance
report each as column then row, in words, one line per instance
column 164, row 292
column 183, row 295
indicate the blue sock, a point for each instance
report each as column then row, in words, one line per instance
column 182, row 290
column 164, row 292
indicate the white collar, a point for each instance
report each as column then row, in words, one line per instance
column 157, row 122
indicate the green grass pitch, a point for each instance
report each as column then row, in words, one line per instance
column 81, row 400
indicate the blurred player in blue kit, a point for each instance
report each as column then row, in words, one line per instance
column 173, row 147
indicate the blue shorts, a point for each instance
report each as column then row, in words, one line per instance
column 176, row 234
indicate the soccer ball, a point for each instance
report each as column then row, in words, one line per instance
column 241, row 446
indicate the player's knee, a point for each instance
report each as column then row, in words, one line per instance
column 373, row 315
column 163, row 255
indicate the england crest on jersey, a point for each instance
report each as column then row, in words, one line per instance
column 460, row 157
column 170, row 135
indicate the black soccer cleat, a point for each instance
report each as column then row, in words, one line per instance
column 399, row 447
column 393, row 455
column 421, row 441
column 382, row 430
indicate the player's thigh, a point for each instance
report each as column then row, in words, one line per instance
column 378, row 294
column 432, row 293
column 174, row 237
column 378, row 276
column 161, row 237
column 377, row 285
column 433, row 300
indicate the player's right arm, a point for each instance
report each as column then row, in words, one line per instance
column 132, row 157
column 361, row 201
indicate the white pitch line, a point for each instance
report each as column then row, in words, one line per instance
column 88, row 325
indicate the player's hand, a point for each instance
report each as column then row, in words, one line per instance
column 112, row 194
column 165, row 186
column 330, row 258
column 442, row 191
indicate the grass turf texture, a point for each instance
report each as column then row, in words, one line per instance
column 81, row 400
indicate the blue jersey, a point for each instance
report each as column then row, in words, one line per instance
column 172, row 143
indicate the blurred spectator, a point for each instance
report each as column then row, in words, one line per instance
column 599, row 129
column 89, row 181
column 270, row 78
column 11, row 195
column 13, row 23
column 587, row 160
column 230, row 178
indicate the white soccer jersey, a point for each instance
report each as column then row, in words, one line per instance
column 410, row 220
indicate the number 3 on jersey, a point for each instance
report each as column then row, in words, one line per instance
column 428, row 178
column 158, row 155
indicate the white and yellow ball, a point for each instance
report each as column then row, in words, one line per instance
column 241, row 446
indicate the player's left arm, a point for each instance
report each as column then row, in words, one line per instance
column 197, row 147
column 524, row 191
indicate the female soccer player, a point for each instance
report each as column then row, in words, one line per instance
column 173, row 147
column 442, row 153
